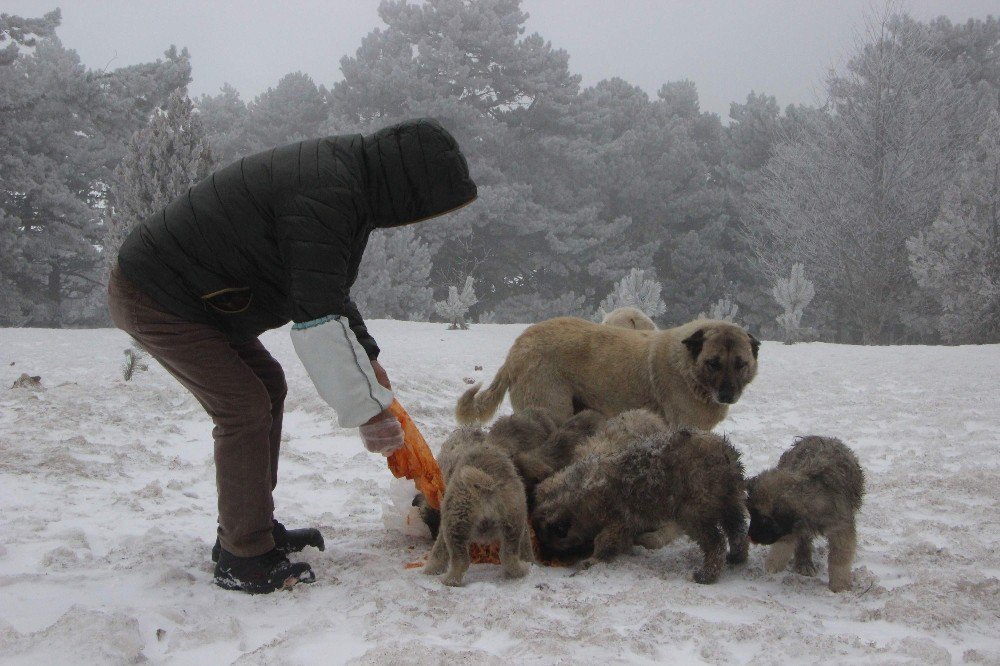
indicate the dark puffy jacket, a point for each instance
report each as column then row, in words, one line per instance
column 278, row 236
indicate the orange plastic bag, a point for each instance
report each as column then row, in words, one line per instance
column 415, row 461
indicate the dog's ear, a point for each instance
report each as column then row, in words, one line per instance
column 694, row 342
column 754, row 344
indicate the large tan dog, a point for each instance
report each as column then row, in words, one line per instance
column 689, row 374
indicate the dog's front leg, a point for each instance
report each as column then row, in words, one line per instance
column 608, row 544
column 780, row 555
column 437, row 561
column 842, row 545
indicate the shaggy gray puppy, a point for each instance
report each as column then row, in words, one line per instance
column 603, row 502
column 815, row 490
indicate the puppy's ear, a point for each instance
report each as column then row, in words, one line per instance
column 754, row 344
column 694, row 342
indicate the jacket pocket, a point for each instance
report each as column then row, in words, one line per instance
column 231, row 300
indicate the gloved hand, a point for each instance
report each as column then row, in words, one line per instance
column 382, row 434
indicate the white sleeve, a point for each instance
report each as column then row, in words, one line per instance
column 340, row 369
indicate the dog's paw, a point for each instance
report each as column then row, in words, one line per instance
column 516, row 570
column 806, row 569
column 705, row 577
column 840, row 583
column 738, row 555
column 433, row 569
column 453, row 581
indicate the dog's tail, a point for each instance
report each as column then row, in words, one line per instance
column 477, row 406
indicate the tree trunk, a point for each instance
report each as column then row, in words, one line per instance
column 54, row 293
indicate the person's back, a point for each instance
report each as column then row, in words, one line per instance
column 278, row 236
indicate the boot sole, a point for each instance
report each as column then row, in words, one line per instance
column 234, row 585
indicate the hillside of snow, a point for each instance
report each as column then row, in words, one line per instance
column 107, row 515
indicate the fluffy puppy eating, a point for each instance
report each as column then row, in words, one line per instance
column 815, row 490
column 484, row 501
column 536, row 445
column 604, row 501
column 619, row 432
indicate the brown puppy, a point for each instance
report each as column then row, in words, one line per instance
column 535, row 445
column 816, row 489
column 484, row 501
column 691, row 478
column 619, row 432
column 689, row 374
column 629, row 317
column 523, row 436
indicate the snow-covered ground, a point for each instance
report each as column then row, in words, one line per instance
column 107, row 499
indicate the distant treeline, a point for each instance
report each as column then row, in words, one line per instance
column 887, row 195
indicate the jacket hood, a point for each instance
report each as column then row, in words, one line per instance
column 415, row 171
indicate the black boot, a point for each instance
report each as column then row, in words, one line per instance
column 260, row 574
column 285, row 541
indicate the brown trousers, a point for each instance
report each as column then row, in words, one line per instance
column 241, row 387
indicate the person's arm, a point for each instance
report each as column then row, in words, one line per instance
column 360, row 330
column 315, row 246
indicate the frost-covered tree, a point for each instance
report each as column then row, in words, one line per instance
column 634, row 290
column 793, row 294
column 530, row 308
column 957, row 260
column 724, row 309
column 846, row 193
column 227, row 123
column 16, row 31
column 293, row 110
column 62, row 131
column 162, row 160
column 394, row 280
column 457, row 306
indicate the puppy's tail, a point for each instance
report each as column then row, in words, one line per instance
column 477, row 406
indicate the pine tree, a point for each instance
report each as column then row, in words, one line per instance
column 21, row 31
column 957, row 260
column 228, row 125
column 62, row 130
column 455, row 308
column 295, row 109
column 529, row 308
column 470, row 65
column 162, row 160
column 394, row 280
column 634, row 290
column 853, row 185
column 793, row 295
column 724, row 309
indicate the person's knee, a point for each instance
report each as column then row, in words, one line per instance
column 248, row 411
column 274, row 382
column 279, row 389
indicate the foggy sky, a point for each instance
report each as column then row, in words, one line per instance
column 781, row 47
